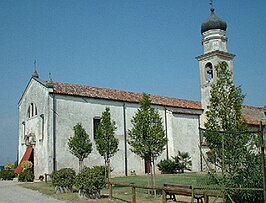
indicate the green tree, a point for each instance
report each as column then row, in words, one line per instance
column 224, row 114
column 147, row 137
column 226, row 134
column 80, row 145
column 106, row 142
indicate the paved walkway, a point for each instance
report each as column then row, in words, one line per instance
column 11, row 192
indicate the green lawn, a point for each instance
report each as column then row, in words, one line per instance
column 124, row 193
column 191, row 178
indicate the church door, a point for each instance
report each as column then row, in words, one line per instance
column 147, row 161
column 32, row 160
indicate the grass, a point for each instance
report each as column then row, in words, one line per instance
column 123, row 194
column 194, row 179
column 48, row 189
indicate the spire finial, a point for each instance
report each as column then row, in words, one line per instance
column 50, row 77
column 50, row 81
column 35, row 73
column 212, row 7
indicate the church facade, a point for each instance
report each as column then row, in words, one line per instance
column 49, row 110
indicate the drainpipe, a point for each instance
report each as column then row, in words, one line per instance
column 125, row 137
column 200, row 145
column 54, row 131
column 166, row 133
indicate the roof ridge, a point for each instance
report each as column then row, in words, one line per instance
column 254, row 107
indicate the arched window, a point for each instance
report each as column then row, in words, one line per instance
column 209, row 71
column 32, row 110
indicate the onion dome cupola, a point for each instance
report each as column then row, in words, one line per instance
column 213, row 32
column 213, row 22
column 214, row 44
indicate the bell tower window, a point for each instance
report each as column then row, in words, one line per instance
column 32, row 110
column 209, row 71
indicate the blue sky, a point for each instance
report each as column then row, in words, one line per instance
column 140, row 46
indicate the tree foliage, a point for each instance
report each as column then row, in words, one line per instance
column 80, row 145
column 147, row 137
column 106, row 142
column 228, row 139
column 224, row 115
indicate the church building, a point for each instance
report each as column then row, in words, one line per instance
column 48, row 111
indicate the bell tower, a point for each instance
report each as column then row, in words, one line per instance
column 214, row 43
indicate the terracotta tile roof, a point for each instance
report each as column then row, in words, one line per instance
column 118, row 95
column 253, row 115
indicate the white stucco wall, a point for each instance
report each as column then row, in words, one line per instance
column 185, row 136
column 71, row 110
column 37, row 94
column 182, row 130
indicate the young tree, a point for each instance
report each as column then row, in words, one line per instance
column 147, row 137
column 106, row 143
column 224, row 114
column 80, row 144
column 227, row 137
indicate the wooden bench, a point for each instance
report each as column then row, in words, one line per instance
column 178, row 189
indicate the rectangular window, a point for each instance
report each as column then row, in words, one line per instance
column 96, row 122
column 42, row 118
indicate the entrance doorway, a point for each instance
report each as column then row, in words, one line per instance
column 32, row 160
column 147, row 161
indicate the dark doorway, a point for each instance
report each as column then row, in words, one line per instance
column 32, row 160
column 147, row 161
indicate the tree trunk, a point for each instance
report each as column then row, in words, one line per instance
column 109, row 170
column 80, row 165
column 105, row 169
column 149, row 183
column 154, row 176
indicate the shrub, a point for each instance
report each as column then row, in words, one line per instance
column 167, row 166
column 26, row 176
column 91, row 180
column 184, row 161
column 64, row 177
column 8, row 166
column 249, row 175
column 7, row 174
column 26, row 164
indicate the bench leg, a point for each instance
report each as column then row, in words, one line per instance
column 199, row 199
column 171, row 197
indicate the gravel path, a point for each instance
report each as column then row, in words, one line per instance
column 10, row 192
